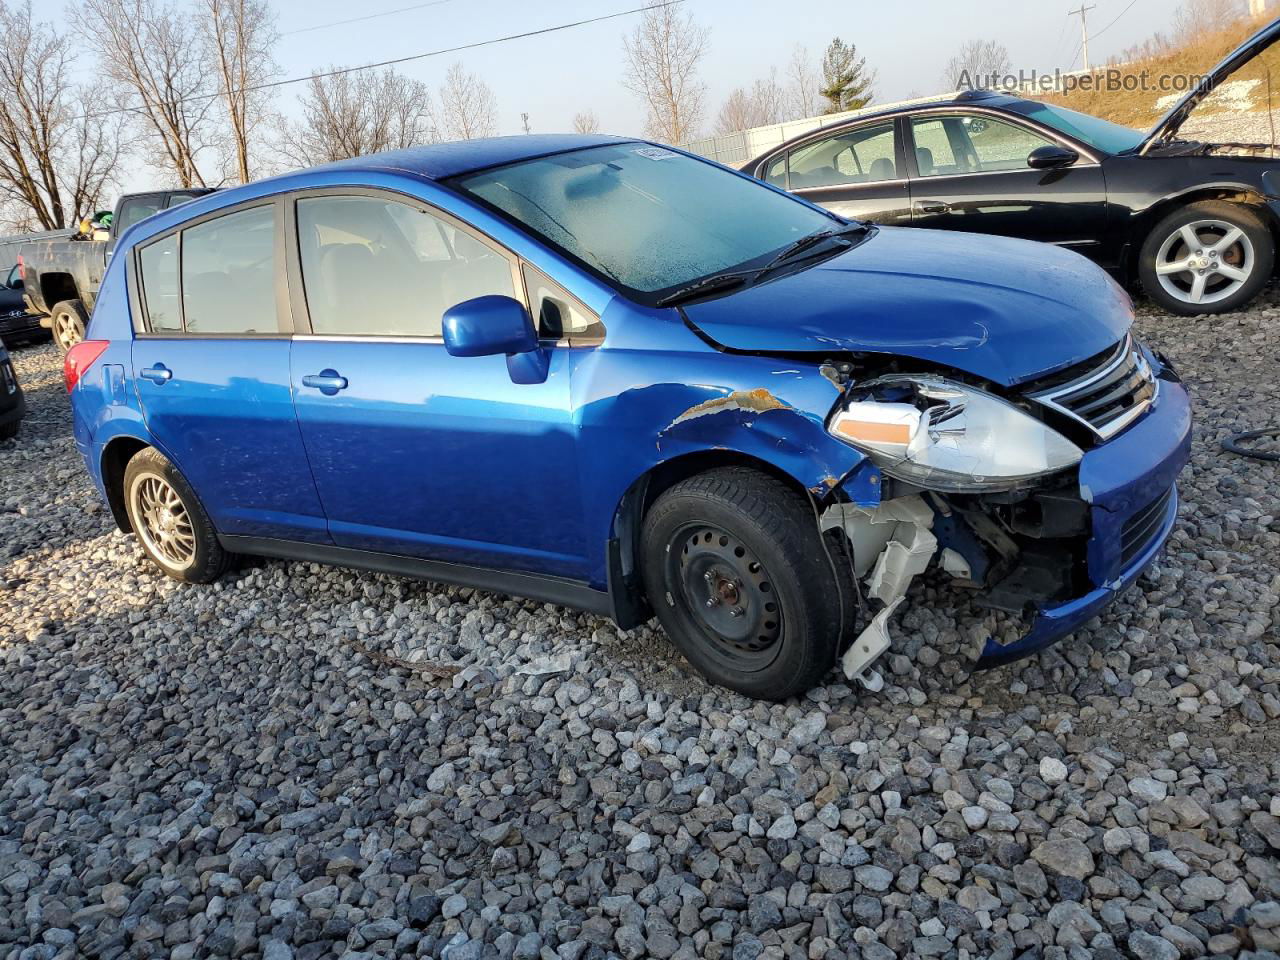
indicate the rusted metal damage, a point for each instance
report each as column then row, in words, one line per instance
column 758, row 400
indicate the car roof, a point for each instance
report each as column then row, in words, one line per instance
column 438, row 161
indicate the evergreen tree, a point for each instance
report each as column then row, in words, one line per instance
column 847, row 83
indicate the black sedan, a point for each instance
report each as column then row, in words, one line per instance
column 1194, row 222
column 17, row 323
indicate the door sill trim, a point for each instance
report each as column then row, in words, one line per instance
column 532, row 586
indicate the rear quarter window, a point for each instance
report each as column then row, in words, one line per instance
column 158, row 266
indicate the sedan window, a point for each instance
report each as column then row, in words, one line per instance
column 379, row 267
column 866, row 155
column 971, row 144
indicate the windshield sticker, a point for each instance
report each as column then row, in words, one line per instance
column 656, row 153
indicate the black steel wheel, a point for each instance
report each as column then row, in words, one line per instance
column 736, row 570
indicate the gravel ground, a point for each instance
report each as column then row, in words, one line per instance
column 249, row 769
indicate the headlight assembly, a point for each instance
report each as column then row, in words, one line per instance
column 949, row 437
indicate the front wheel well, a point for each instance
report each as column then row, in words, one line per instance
column 115, row 458
column 1150, row 217
column 630, row 605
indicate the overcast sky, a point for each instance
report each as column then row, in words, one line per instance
column 551, row 77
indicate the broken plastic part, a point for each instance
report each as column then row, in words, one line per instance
column 956, row 565
column 871, row 643
column 871, row 529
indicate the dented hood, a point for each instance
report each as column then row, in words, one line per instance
column 1006, row 310
column 1167, row 127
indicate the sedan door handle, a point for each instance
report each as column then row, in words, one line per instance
column 932, row 206
column 327, row 382
column 157, row 374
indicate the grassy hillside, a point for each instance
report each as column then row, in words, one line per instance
column 1245, row 92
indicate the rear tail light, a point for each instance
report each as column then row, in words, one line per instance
column 22, row 269
column 80, row 358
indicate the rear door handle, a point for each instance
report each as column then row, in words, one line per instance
column 328, row 382
column 932, row 206
column 157, row 374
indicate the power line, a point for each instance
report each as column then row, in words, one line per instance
column 397, row 60
column 371, row 16
column 1118, row 16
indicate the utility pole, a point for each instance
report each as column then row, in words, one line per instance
column 524, row 118
column 1084, row 29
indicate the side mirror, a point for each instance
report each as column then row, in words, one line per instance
column 1051, row 157
column 17, row 284
column 486, row 326
column 493, row 325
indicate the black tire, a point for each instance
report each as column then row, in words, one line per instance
column 752, row 519
column 10, row 430
column 68, row 320
column 1233, row 293
column 207, row 560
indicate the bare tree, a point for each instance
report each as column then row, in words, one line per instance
column 760, row 106
column 975, row 63
column 803, row 80
column 1195, row 18
column 663, row 54
column 586, row 121
column 153, row 54
column 238, row 38
column 354, row 114
column 467, row 105
column 57, row 157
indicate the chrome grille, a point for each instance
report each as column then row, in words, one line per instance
column 1106, row 392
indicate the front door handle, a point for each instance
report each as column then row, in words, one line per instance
column 932, row 206
column 157, row 374
column 328, row 382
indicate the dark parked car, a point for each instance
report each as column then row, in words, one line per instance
column 1194, row 222
column 17, row 323
column 12, row 404
column 62, row 275
column 615, row 376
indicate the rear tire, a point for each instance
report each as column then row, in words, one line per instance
column 736, row 570
column 9, row 431
column 167, row 518
column 1229, row 262
column 68, row 321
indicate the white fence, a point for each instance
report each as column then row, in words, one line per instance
column 735, row 149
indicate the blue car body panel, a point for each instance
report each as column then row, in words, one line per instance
column 931, row 298
column 426, row 455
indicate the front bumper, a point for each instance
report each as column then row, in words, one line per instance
column 22, row 327
column 1119, row 479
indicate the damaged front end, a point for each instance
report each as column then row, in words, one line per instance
column 1024, row 498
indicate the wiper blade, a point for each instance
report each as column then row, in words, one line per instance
column 707, row 285
column 812, row 240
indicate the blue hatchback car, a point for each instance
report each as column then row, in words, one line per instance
column 607, row 374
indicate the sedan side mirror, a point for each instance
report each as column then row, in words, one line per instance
column 492, row 325
column 1051, row 157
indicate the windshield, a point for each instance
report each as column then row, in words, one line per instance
column 647, row 218
column 1100, row 134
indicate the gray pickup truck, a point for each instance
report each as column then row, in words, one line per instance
column 61, row 276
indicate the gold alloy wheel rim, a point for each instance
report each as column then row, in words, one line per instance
column 163, row 522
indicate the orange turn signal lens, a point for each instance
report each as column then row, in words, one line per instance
column 865, row 431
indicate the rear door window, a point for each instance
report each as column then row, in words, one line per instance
column 865, row 155
column 158, row 264
column 228, row 273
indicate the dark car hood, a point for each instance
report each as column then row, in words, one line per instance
column 1006, row 310
column 1168, row 125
